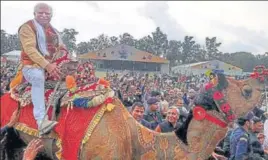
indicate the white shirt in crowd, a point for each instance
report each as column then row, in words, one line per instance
column 265, row 145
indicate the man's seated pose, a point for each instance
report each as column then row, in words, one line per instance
column 41, row 43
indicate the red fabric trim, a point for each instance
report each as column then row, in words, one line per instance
column 215, row 120
column 200, row 113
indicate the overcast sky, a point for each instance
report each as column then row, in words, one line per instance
column 240, row 26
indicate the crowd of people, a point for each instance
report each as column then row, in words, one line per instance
column 7, row 73
column 162, row 103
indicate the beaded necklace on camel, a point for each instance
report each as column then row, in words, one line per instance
column 86, row 102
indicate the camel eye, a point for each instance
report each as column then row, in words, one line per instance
column 247, row 91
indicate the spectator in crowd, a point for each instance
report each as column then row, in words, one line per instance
column 157, row 95
column 153, row 116
column 259, row 113
column 261, row 138
column 256, row 147
column 171, row 123
column 191, row 98
column 164, row 105
column 137, row 112
column 240, row 147
column 182, row 109
column 6, row 131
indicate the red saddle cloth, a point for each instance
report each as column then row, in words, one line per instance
column 71, row 127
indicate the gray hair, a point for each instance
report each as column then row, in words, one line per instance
column 174, row 107
column 38, row 5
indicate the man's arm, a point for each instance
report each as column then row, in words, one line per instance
column 242, row 148
column 28, row 41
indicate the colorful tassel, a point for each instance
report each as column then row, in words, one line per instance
column 70, row 82
column 17, row 79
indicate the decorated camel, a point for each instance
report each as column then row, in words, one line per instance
column 94, row 124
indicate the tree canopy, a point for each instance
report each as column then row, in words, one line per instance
column 176, row 51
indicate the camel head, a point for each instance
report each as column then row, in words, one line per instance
column 232, row 98
column 244, row 95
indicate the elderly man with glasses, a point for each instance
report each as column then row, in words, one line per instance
column 40, row 43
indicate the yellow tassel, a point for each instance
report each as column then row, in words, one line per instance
column 110, row 107
column 16, row 80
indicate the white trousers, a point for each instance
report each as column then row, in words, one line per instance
column 36, row 77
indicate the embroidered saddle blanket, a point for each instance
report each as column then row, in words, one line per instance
column 73, row 124
column 22, row 93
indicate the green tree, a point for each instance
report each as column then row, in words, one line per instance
column 212, row 48
column 198, row 53
column 69, row 39
column 83, row 48
column 94, row 44
column 127, row 39
column 262, row 59
column 188, row 49
column 146, row 44
column 160, row 42
column 174, row 52
column 244, row 60
column 104, row 42
column 114, row 40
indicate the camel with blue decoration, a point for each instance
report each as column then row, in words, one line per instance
column 94, row 124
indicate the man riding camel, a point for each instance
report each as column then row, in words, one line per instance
column 40, row 43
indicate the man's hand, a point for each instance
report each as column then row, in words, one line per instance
column 218, row 157
column 14, row 118
column 32, row 149
column 53, row 70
